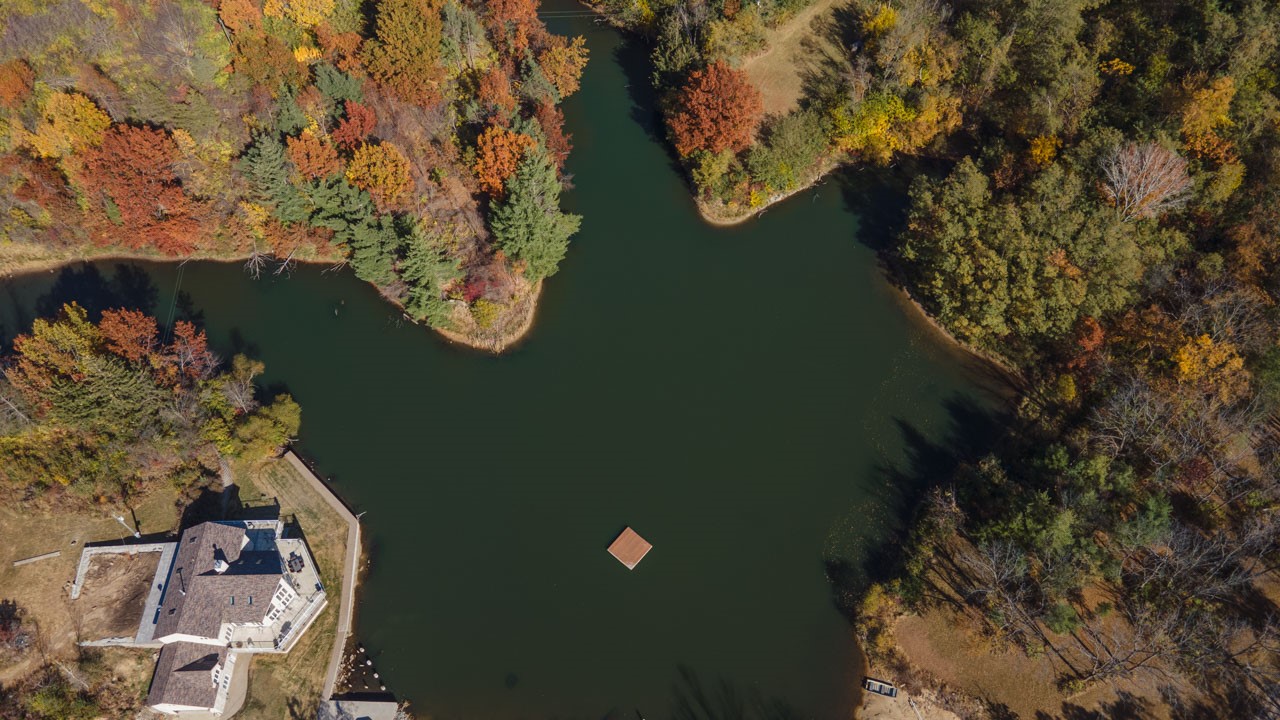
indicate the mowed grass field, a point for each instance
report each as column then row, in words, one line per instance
column 286, row 686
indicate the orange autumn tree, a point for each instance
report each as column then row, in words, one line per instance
column 16, row 82
column 314, row 157
column 132, row 176
column 128, row 333
column 514, row 24
column 382, row 171
column 493, row 95
column 498, row 152
column 551, row 118
column 239, row 15
column 404, row 56
column 717, row 109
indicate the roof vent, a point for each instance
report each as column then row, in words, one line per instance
column 219, row 565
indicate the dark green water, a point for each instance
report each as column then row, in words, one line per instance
column 755, row 401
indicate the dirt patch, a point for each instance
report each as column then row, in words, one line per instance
column 796, row 47
column 903, row 707
column 936, row 643
column 1014, row 684
column 115, row 592
column 42, row 588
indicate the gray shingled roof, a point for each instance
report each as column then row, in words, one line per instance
column 199, row 599
column 184, row 675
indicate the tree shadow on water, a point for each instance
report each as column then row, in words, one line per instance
column 632, row 55
column 694, row 698
column 128, row 286
column 929, row 461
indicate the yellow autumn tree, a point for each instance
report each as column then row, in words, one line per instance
column 309, row 13
column 382, row 171
column 879, row 19
column 1205, row 114
column 1043, row 149
column 563, row 64
column 69, row 123
column 1215, row 366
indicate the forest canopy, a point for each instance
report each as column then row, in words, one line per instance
column 94, row 412
column 284, row 130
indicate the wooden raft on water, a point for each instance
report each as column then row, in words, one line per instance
column 630, row 548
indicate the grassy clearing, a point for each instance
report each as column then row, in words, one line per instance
column 287, row 686
column 42, row 588
column 795, row 47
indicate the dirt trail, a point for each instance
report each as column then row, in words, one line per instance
column 778, row 71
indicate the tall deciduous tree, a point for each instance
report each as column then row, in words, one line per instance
column 132, row 173
column 313, row 157
column 1144, row 181
column 498, row 153
column 563, row 63
column 69, row 123
column 382, row 171
column 404, row 57
column 356, row 126
column 16, row 81
column 717, row 109
column 128, row 333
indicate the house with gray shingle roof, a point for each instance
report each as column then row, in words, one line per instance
column 232, row 588
column 191, row 677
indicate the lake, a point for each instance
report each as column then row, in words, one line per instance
column 758, row 402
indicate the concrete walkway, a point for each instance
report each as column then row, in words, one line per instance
column 350, row 566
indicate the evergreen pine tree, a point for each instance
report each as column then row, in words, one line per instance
column 528, row 224
column 267, row 165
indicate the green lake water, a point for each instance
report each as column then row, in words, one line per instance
column 755, row 401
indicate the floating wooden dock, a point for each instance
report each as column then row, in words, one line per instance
column 630, row 548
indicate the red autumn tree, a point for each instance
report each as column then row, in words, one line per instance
column 551, row 118
column 128, row 333
column 16, row 81
column 494, row 95
column 498, row 152
column 314, row 157
column 132, row 173
column 353, row 129
column 187, row 357
column 717, row 109
column 404, row 56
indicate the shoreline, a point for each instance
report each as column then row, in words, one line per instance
column 504, row 341
column 51, row 264
column 708, row 216
column 1007, row 371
